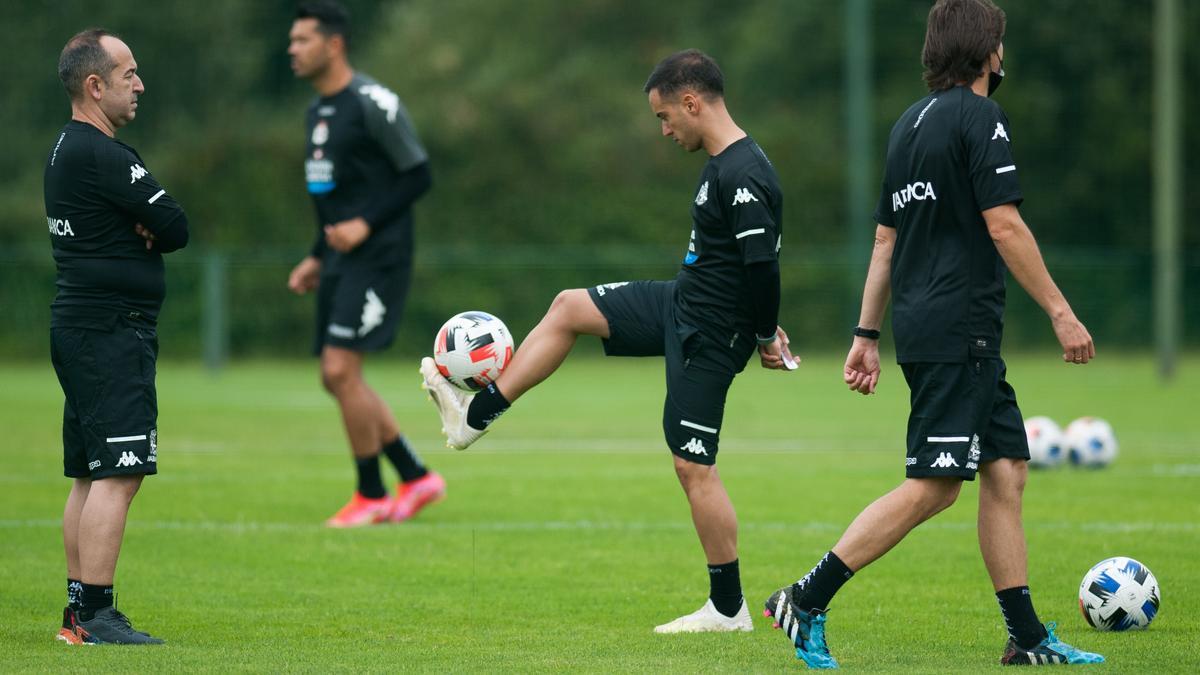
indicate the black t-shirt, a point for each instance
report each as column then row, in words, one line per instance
column 359, row 141
column 949, row 158
column 737, row 219
column 96, row 190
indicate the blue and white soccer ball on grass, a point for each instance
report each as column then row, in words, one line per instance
column 1090, row 442
column 1045, row 442
column 1119, row 594
column 472, row 349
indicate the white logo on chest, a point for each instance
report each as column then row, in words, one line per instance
column 320, row 133
column 919, row 191
column 702, row 195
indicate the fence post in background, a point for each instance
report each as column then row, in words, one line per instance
column 859, row 116
column 214, row 309
column 1168, row 175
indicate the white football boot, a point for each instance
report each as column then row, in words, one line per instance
column 452, row 406
column 708, row 620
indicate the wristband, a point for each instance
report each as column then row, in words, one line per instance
column 763, row 341
column 868, row 333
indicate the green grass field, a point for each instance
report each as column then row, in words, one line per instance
column 565, row 537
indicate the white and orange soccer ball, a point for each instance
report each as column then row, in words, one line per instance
column 472, row 349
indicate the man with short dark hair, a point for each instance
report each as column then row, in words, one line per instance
column 720, row 309
column 948, row 226
column 109, row 222
column 364, row 168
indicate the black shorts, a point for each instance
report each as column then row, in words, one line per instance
column 359, row 308
column 963, row 415
column 106, row 366
column 643, row 321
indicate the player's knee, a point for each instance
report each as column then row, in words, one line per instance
column 935, row 495
column 1004, row 478
column 565, row 307
column 691, row 473
column 336, row 375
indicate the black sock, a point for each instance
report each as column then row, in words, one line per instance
column 74, row 593
column 370, row 483
column 401, row 455
column 818, row 587
column 93, row 599
column 487, row 405
column 725, row 587
column 1022, row 622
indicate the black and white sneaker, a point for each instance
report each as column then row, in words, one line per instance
column 111, row 627
column 1051, row 651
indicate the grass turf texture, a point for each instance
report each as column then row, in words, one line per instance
column 565, row 537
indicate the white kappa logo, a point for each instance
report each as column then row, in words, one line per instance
column 383, row 97
column 944, row 461
column 695, row 446
column 135, row 172
column 372, row 314
column 1000, row 132
column 604, row 288
column 743, row 196
column 128, row 459
column 702, row 195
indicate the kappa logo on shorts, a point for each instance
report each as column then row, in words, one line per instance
column 944, row 461
column 372, row 314
column 695, row 446
column 128, row 459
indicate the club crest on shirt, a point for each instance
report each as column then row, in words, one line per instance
column 702, row 195
column 320, row 133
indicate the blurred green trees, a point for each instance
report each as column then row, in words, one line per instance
column 549, row 170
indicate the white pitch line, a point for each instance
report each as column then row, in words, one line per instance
column 591, row 525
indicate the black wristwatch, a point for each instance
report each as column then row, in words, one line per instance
column 868, row 333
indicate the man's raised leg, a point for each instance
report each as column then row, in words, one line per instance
column 465, row 417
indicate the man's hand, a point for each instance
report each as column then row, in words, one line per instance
column 861, row 373
column 305, row 276
column 145, row 234
column 1074, row 338
column 777, row 356
column 347, row 235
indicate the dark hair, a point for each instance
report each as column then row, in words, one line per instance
column 959, row 38
column 83, row 55
column 332, row 17
column 689, row 69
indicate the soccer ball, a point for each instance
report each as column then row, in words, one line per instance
column 1119, row 594
column 1090, row 442
column 472, row 349
column 1045, row 442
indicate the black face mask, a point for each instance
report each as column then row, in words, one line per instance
column 995, row 78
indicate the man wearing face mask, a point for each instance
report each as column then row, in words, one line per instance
column 948, row 227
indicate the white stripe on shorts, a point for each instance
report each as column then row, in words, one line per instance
column 948, row 439
column 747, row 233
column 697, row 426
column 125, row 439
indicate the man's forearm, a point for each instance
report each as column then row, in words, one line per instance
column 1020, row 253
column 878, row 288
